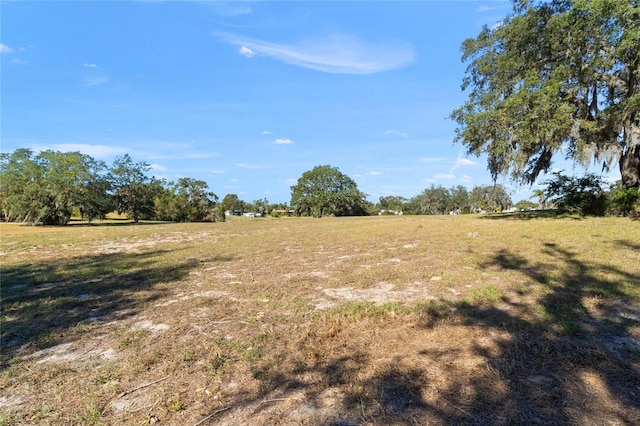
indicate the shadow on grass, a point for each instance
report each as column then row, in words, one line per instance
column 534, row 214
column 113, row 222
column 551, row 366
column 557, row 362
column 47, row 302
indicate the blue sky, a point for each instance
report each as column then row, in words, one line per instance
column 247, row 95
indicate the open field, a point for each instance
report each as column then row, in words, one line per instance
column 334, row 321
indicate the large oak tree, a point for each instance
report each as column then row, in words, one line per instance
column 326, row 190
column 556, row 76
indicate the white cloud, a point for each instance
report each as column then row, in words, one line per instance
column 217, row 172
column 283, row 141
column 466, row 179
column 465, row 162
column 19, row 61
column 248, row 166
column 5, row 49
column 245, row 51
column 461, row 161
column 338, row 53
column 482, row 9
column 267, row 132
column 227, row 8
column 444, row 176
column 374, row 173
column 289, row 181
column 157, row 167
column 87, row 65
column 396, row 133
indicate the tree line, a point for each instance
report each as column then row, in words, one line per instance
column 50, row 187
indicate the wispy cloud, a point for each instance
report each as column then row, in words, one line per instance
column 248, row 166
column 245, row 51
column 88, row 65
column 461, row 161
column 283, row 141
column 338, row 53
column 466, row 179
column 228, row 8
column 396, row 133
column 289, row 181
column 157, row 167
column 19, row 61
column 267, row 132
column 217, row 172
column 5, row 49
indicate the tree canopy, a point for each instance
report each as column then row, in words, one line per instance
column 44, row 188
column 325, row 190
column 553, row 77
column 49, row 187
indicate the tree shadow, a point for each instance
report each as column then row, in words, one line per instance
column 533, row 214
column 558, row 361
column 548, row 358
column 46, row 303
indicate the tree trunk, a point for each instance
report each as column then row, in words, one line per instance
column 630, row 158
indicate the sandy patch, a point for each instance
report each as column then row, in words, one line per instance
column 76, row 352
column 148, row 325
column 381, row 293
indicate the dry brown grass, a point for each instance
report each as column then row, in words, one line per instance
column 379, row 320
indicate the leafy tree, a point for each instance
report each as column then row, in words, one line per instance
column 392, row 202
column 582, row 194
column 97, row 200
column 435, row 200
column 490, row 198
column 44, row 189
column 21, row 186
column 231, row 203
column 325, row 190
column 260, row 206
column 134, row 191
column 555, row 76
column 525, row 205
column 623, row 200
column 460, row 199
column 187, row 200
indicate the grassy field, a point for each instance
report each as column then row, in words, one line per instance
column 335, row 321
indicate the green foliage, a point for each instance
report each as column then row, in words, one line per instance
column 232, row 203
column 187, row 200
column 439, row 200
column 325, row 190
column 391, row 202
column 555, row 76
column 45, row 188
column 525, row 205
column 581, row 194
column 134, row 191
column 623, row 200
column 490, row 198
